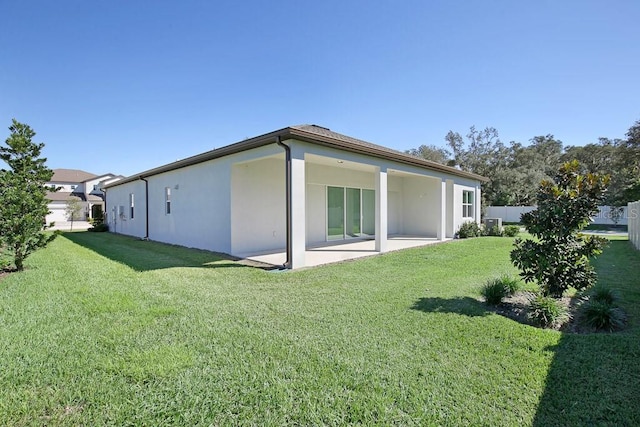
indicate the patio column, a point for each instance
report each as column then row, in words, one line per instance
column 381, row 209
column 442, row 222
column 298, row 204
column 478, row 204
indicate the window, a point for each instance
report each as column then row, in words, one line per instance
column 95, row 187
column 131, row 205
column 467, row 204
column 73, row 187
column 167, row 200
column 121, row 211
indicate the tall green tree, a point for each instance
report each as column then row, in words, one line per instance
column 23, row 203
column 559, row 257
column 430, row 152
column 483, row 154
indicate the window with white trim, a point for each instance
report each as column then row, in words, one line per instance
column 468, row 210
column 167, row 200
column 131, row 205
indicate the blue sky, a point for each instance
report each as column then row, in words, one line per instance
column 123, row 86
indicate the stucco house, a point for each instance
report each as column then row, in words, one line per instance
column 77, row 183
column 291, row 189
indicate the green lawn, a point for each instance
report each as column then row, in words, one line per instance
column 103, row 329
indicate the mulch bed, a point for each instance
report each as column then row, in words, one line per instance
column 516, row 308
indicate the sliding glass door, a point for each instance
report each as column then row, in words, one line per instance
column 335, row 213
column 350, row 213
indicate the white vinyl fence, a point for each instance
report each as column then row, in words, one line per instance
column 513, row 213
column 633, row 210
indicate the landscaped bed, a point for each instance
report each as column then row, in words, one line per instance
column 104, row 329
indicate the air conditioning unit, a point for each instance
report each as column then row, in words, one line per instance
column 489, row 223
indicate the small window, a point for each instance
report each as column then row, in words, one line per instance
column 121, row 211
column 73, row 187
column 95, row 187
column 167, row 200
column 131, row 204
column 467, row 204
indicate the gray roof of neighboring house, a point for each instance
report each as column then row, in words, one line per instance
column 71, row 175
column 309, row 133
column 60, row 196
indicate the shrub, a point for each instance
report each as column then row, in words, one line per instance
column 469, row 229
column 494, row 231
column 558, row 257
column 603, row 294
column 511, row 230
column 97, row 219
column 603, row 315
column 495, row 290
column 99, row 228
column 548, row 312
column 510, row 283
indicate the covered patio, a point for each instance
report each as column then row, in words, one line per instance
column 342, row 251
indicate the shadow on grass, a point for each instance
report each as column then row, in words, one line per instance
column 594, row 379
column 466, row 306
column 143, row 255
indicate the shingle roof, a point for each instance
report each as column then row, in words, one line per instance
column 71, row 175
column 60, row 196
column 310, row 133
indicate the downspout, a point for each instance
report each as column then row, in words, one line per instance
column 146, row 208
column 104, row 214
column 287, row 151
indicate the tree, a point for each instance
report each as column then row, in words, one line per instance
column 559, row 258
column 73, row 208
column 430, row 152
column 619, row 158
column 485, row 155
column 23, row 203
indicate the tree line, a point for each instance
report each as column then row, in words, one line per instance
column 515, row 170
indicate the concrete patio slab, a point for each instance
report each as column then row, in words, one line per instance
column 337, row 252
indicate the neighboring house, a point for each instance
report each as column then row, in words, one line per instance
column 290, row 189
column 77, row 183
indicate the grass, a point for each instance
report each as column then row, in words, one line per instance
column 607, row 227
column 103, row 329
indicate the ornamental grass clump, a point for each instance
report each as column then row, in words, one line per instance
column 495, row 290
column 601, row 311
column 548, row 312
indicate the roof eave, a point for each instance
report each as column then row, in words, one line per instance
column 372, row 151
column 291, row 133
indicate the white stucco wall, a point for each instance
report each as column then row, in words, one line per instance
column 119, row 196
column 258, row 206
column 458, row 219
column 68, row 187
column 421, row 208
column 200, row 206
column 316, row 213
column 88, row 185
column 236, row 204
